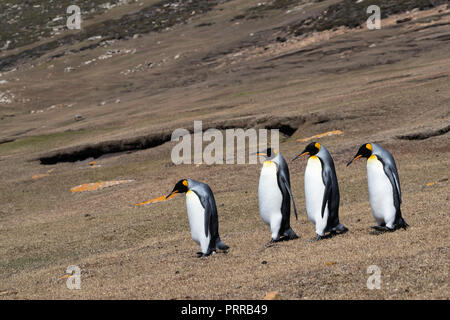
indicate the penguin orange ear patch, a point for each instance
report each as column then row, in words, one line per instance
column 155, row 200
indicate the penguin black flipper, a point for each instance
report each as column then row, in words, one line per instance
column 288, row 188
column 331, row 195
column 283, row 181
column 391, row 172
column 326, row 196
column 211, row 219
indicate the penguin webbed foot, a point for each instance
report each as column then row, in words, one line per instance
column 381, row 229
column 289, row 235
column 340, row 229
column 201, row 255
column 317, row 238
column 402, row 224
column 222, row 246
column 331, row 234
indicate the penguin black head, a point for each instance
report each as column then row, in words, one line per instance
column 311, row 149
column 269, row 153
column 182, row 186
column 364, row 151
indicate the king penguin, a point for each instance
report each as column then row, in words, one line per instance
column 321, row 191
column 275, row 196
column 202, row 215
column 384, row 187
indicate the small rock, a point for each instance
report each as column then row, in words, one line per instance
column 264, row 262
column 79, row 117
column 137, row 35
column 403, row 20
column 94, row 38
column 281, row 39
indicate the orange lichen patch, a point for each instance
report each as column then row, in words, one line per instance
column 321, row 135
column 274, row 295
column 97, row 185
column 429, row 184
column 39, row 175
column 159, row 199
column 92, row 163
column 42, row 175
column 330, row 263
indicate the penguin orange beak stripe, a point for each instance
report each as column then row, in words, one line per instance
column 301, row 155
column 355, row 158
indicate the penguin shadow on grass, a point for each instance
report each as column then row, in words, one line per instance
column 378, row 230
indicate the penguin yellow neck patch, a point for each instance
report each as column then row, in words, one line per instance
column 268, row 163
column 372, row 158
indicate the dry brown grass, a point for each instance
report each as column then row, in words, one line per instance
column 398, row 87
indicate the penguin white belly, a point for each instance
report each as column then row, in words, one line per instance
column 314, row 192
column 270, row 198
column 380, row 193
column 196, row 216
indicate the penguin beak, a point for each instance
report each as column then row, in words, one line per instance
column 172, row 193
column 304, row 153
column 354, row 158
column 261, row 154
